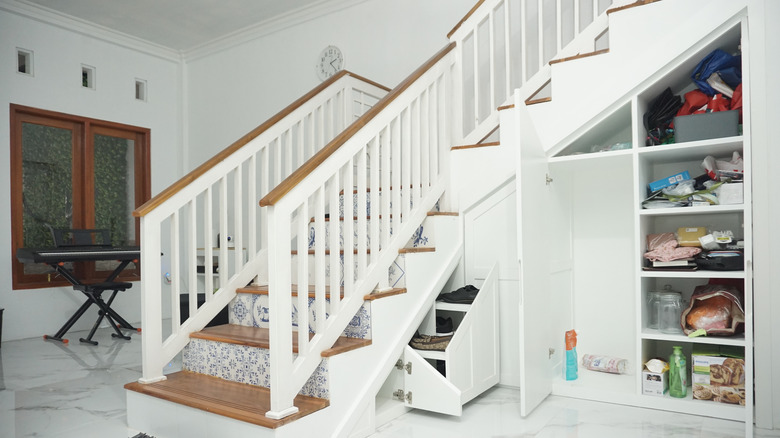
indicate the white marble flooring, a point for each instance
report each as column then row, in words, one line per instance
column 52, row 390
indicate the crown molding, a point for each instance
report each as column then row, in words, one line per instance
column 272, row 25
column 67, row 22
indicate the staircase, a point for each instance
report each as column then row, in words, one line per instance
column 329, row 276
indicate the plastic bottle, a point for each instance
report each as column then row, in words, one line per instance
column 571, row 355
column 678, row 374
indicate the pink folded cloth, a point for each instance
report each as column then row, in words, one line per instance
column 668, row 251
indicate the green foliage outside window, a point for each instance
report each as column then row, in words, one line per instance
column 47, row 166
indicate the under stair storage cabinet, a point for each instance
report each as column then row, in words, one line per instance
column 595, row 279
column 443, row 381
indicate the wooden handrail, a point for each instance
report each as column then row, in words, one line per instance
column 174, row 188
column 466, row 17
column 302, row 172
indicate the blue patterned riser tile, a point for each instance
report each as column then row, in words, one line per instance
column 396, row 275
column 250, row 365
column 251, row 310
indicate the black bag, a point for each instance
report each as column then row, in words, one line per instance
column 659, row 117
column 721, row 261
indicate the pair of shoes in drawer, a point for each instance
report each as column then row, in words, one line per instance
column 430, row 343
column 463, row 295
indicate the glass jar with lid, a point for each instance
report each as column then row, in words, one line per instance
column 669, row 312
column 654, row 307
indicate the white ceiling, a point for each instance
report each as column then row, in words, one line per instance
column 176, row 24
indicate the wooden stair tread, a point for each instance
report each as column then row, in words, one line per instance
column 629, row 6
column 579, row 56
column 239, row 401
column 384, row 293
column 416, row 250
column 259, row 337
column 263, row 290
column 442, row 213
column 472, row 146
column 536, row 101
column 505, row 107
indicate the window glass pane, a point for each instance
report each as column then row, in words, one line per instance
column 47, row 185
column 115, row 187
column 114, row 192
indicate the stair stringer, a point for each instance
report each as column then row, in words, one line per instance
column 356, row 377
column 577, row 96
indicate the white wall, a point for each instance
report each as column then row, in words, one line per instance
column 59, row 52
column 234, row 89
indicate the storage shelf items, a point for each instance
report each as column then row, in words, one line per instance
column 602, row 227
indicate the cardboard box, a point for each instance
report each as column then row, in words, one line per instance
column 668, row 181
column 718, row 374
column 654, row 383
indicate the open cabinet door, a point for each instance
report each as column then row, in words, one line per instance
column 427, row 389
column 533, row 249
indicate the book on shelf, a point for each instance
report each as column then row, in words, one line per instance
column 674, row 263
column 686, row 264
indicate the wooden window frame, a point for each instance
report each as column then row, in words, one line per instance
column 83, row 129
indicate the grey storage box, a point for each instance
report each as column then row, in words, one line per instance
column 706, row 126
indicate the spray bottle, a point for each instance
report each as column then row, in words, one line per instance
column 571, row 355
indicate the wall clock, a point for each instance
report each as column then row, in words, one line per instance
column 330, row 62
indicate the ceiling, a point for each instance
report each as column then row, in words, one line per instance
column 176, row 24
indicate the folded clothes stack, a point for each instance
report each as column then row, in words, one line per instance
column 463, row 295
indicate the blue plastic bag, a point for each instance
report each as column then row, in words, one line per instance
column 729, row 67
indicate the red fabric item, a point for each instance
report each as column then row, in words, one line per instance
column 694, row 100
column 718, row 102
column 736, row 101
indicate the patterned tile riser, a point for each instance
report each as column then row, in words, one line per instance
column 421, row 237
column 251, row 310
column 250, row 365
column 393, row 277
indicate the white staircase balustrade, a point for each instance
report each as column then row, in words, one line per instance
column 400, row 150
column 223, row 201
column 504, row 45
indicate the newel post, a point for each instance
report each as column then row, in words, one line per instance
column 279, row 313
column 151, row 311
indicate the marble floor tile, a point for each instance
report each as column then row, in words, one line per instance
column 73, row 391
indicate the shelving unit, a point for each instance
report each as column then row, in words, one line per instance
column 595, row 239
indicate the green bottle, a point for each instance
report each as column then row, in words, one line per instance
column 678, row 374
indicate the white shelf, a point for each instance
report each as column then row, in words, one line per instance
column 441, row 305
column 679, row 211
column 693, row 274
column 432, row 354
column 698, row 407
column 737, row 340
column 690, row 150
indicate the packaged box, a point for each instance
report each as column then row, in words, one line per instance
column 668, row 181
column 718, row 374
column 689, row 236
column 730, row 194
column 717, row 124
column 654, row 383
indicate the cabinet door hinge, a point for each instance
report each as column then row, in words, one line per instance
column 547, row 179
column 399, row 394
column 400, row 365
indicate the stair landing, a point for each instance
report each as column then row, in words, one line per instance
column 239, row 401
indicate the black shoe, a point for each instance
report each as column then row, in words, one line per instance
column 443, row 326
column 464, row 295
